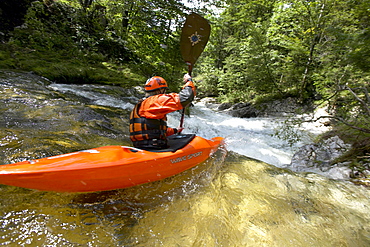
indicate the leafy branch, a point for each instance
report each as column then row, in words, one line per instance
column 363, row 102
column 346, row 123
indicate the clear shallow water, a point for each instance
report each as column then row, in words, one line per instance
column 229, row 200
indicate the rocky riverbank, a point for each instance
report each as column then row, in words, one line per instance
column 331, row 154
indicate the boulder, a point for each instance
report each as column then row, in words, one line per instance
column 241, row 110
column 273, row 108
column 321, row 157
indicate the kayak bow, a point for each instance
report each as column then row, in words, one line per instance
column 107, row 168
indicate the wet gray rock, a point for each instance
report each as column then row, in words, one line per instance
column 288, row 106
column 242, row 110
column 211, row 103
column 275, row 108
column 321, row 157
column 224, row 106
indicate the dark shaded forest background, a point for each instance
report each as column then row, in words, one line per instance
column 316, row 51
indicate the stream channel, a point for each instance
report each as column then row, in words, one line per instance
column 242, row 196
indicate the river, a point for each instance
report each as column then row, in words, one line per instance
column 240, row 197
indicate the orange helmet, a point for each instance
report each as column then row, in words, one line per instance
column 155, row 83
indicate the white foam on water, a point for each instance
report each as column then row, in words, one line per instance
column 252, row 137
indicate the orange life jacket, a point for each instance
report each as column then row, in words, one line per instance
column 148, row 126
column 145, row 132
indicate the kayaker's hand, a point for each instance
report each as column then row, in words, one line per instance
column 187, row 78
column 189, row 83
column 179, row 130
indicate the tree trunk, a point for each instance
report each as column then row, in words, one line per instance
column 305, row 87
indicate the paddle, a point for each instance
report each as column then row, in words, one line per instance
column 194, row 38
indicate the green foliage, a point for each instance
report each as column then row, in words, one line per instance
column 307, row 49
column 6, row 60
column 151, row 31
column 61, row 68
column 241, row 51
column 287, row 46
column 143, row 35
column 290, row 131
column 62, row 27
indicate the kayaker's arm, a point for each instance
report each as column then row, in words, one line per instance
column 158, row 106
column 187, row 93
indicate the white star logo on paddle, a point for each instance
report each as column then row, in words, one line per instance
column 195, row 38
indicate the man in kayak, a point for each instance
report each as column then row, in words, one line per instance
column 148, row 121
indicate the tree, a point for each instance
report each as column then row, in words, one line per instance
column 288, row 47
column 85, row 4
column 242, row 61
column 143, row 33
column 12, row 13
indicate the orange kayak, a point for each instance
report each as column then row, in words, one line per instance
column 109, row 167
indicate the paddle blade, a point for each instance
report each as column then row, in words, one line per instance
column 194, row 38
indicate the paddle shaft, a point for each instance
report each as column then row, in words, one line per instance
column 194, row 37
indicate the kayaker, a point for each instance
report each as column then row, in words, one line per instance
column 148, row 121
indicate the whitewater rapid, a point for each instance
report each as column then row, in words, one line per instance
column 268, row 139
